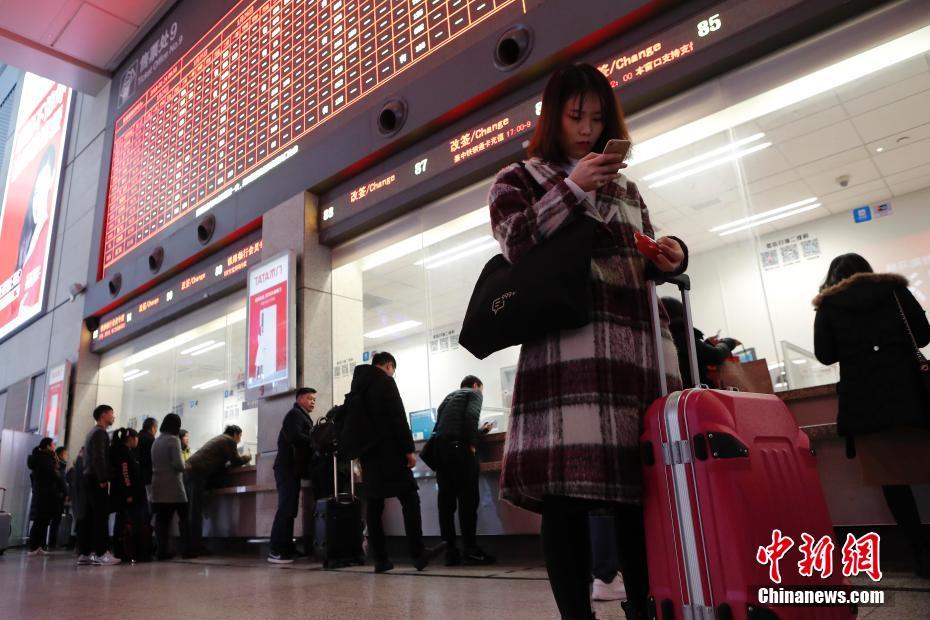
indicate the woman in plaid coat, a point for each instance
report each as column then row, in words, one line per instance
column 573, row 441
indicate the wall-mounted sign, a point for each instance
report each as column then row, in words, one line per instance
column 271, row 325
column 56, row 400
column 211, row 276
column 30, row 199
column 788, row 251
column 664, row 50
column 239, row 101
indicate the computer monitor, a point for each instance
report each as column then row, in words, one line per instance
column 422, row 423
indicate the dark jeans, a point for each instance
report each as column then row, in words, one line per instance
column 604, row 561
column 38, row 533
column 164, row 515
column 94, row 537
column 196, row 493
column 282, row 530
column 413, row 527
column 567, row 550
column 132, row 536
column 458, row 485
column 53, row 527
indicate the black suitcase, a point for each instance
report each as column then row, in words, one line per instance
column 6, row 525
column 337, row 527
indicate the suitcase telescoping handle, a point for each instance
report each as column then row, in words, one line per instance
column 2, row 497
column 683, row 283
column 336, row 477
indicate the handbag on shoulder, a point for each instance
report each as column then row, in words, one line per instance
column 547, row 290
column 923, row 366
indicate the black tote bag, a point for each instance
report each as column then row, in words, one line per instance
column 547, row 290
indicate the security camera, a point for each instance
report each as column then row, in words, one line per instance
column 843, row 180
column 76, row 289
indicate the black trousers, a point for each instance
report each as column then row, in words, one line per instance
column 903, row 507
column 164, row 516
column 196, row 487
column 567, row 551
column 282, row 530
column 38, row 532
column 413, row 526
column 94, row 537
column 458, row 488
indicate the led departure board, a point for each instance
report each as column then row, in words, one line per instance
column 235, row 105
column 630, row 64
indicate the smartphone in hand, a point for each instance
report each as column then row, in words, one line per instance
column 617, row 147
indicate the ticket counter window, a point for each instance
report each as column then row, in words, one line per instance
column 194, row 367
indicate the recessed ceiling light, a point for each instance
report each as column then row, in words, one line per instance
column 393, row 329
column 763, row 215
column 816, row 205
column 206, row 385
column 707, row 165
column 880, row 149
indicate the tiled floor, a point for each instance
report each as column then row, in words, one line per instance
column 238, row 587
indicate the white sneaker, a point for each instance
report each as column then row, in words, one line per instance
column 85, row 560
column 613, row 591
column 106, row 559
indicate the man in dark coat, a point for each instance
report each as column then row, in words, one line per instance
column 46, row 488
column 457, row 432
column 211, row 459
column 386, row 467
column 293, row 462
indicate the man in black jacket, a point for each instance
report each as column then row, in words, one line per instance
column 386, row 467
column 457, row 431
column 94, row 538
column 292, row 463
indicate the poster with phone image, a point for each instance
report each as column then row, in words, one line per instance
column 270, row 323
column 30, row 199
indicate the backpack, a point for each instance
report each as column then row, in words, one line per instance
column 325, row 433
column 355, row 435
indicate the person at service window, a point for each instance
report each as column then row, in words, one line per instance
column 33, row 241
column 579, row 395
column 872, row 325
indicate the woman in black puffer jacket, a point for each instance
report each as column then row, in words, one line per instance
column 47, row 487
column 882, row 402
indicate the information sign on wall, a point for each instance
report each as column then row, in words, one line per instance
column 56, row 400
column 271, row 327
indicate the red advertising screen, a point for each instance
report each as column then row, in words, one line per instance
column 268, row 322
column 56, row 395
column 30, row 199
column 236, row 104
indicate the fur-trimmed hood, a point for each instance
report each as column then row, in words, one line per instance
column 862, row 289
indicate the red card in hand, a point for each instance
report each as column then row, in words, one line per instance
column 646, row 245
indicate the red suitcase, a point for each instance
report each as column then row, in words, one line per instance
column 721, row 471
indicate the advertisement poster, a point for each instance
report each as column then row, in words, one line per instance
column 56, row 398
column 269, row 323
column 30, row 199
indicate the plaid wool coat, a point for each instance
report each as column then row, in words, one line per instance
column 580, row 394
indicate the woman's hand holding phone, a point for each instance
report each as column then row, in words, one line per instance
column 665, row 252
column 595, row 170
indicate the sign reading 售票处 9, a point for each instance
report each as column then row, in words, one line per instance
column 30, row 200
column 271, row 327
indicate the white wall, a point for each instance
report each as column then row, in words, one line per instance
column 732, row 292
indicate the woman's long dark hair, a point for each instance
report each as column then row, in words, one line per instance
column 29, row 222
column 565, row 84
column 171, row 424
column 845, row 266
